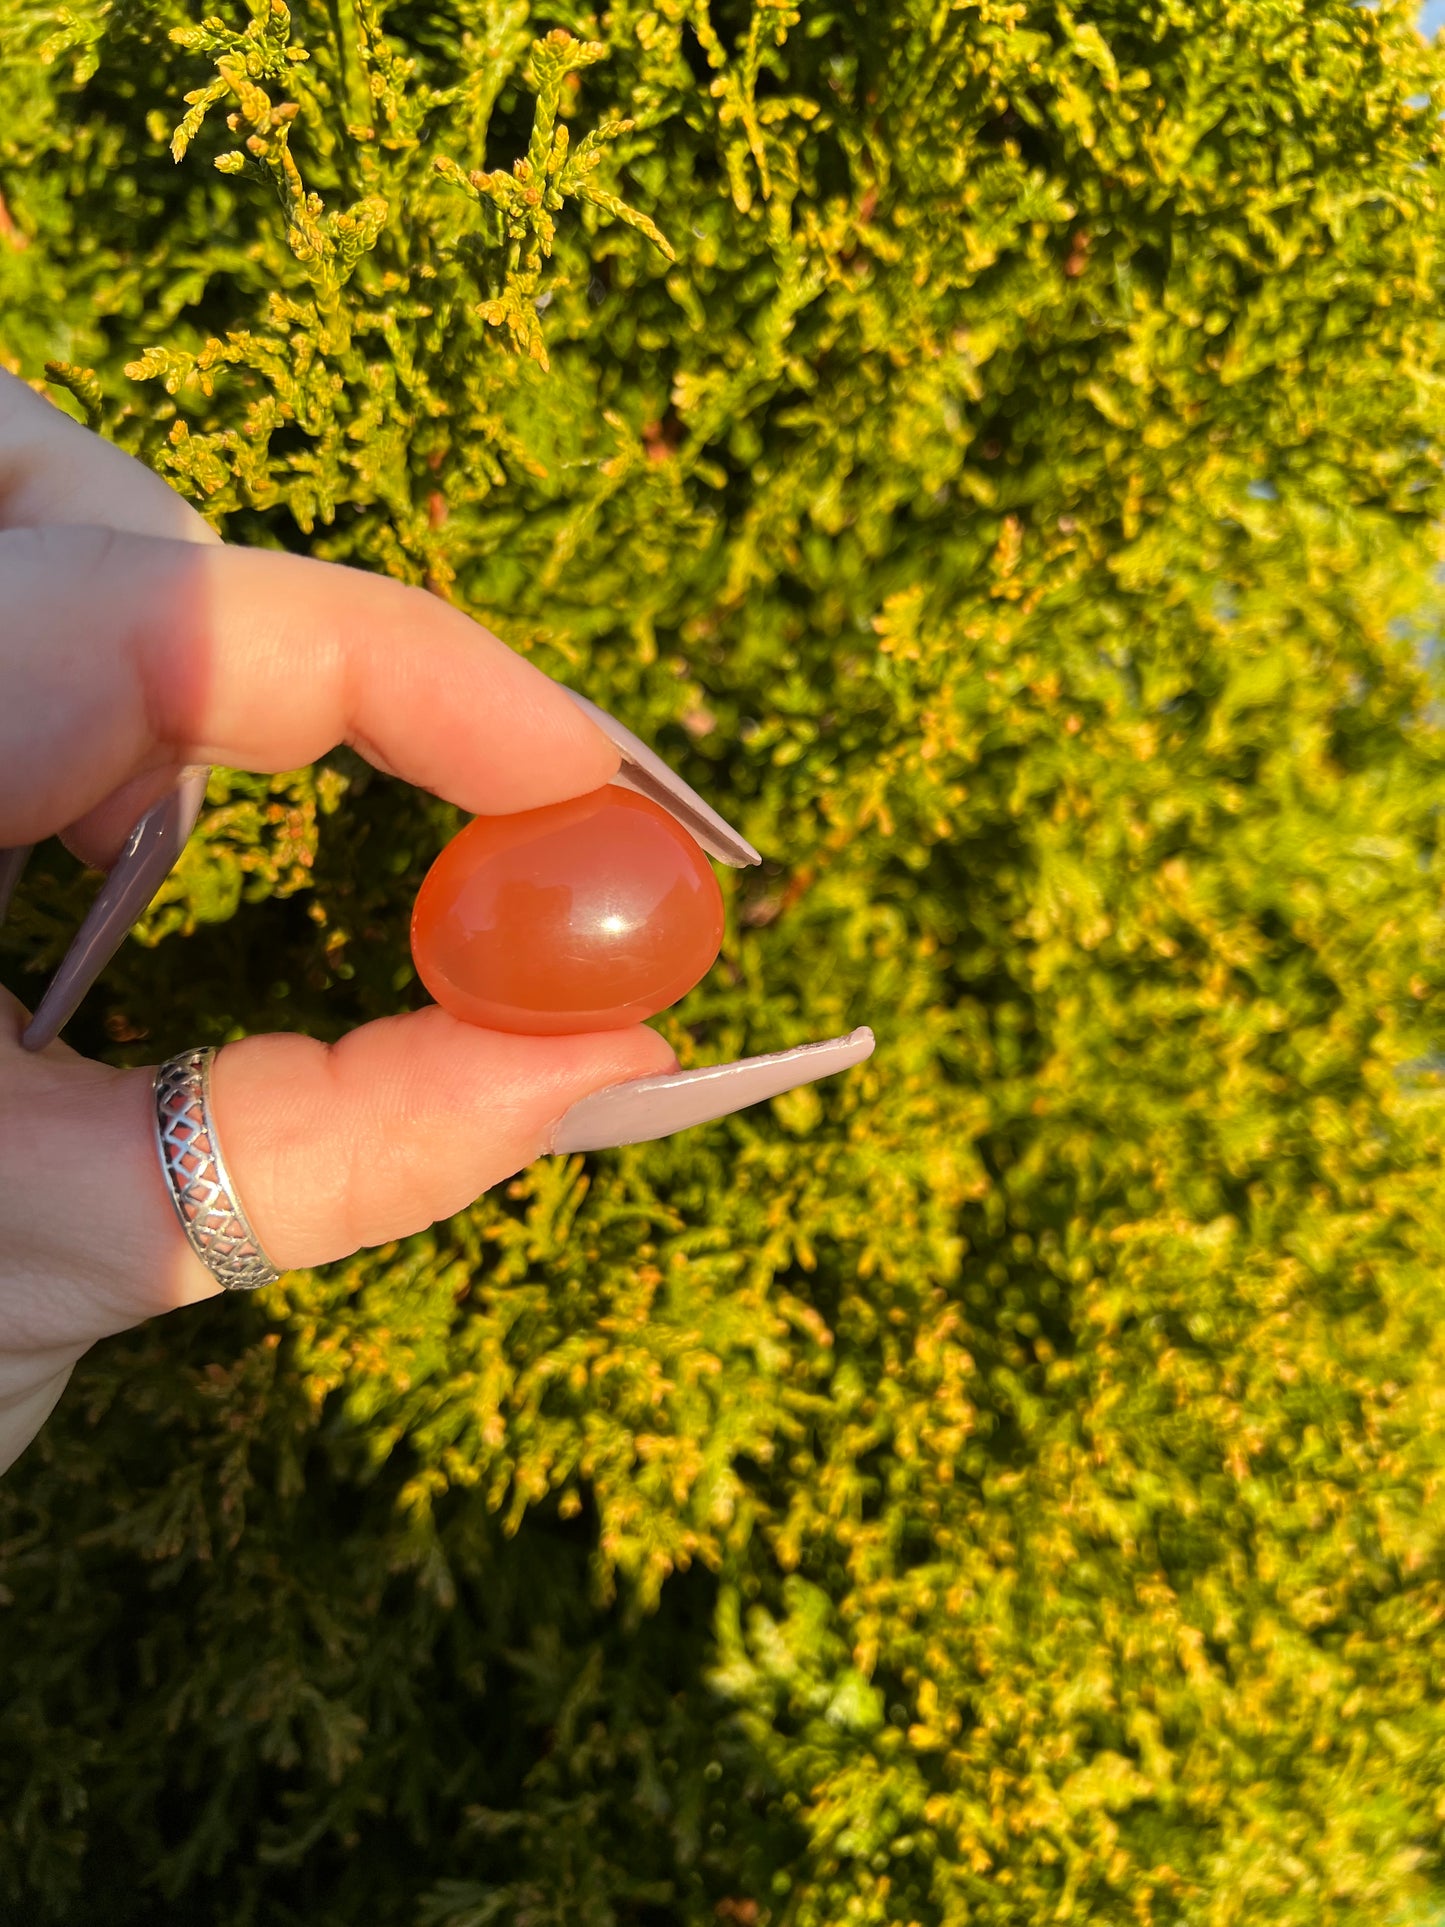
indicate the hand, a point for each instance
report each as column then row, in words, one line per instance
column 136, row 646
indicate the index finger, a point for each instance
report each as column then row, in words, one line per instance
column 124, row 653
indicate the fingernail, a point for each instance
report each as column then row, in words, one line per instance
column 643, row 770
column 12, row 865
column 139, row 871
column 652, row 1107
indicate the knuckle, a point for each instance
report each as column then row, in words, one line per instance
column 81, row 549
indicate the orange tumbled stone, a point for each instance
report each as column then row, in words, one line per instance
column 585, row 915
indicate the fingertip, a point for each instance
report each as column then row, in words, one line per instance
column 458, row 711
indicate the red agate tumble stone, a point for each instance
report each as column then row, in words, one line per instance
column 586, row 915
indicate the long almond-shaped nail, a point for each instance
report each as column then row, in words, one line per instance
column 643, row 770
column 650, row 1107
column 12, row 864
column 139, row 871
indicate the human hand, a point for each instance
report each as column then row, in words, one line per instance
column 135, row 649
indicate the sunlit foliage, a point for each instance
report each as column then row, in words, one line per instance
column 993, row 450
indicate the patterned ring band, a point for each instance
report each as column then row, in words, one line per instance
column 211, row 1214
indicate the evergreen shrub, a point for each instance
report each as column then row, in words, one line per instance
column 993, row 449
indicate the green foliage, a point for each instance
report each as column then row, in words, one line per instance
column 1000, row 1486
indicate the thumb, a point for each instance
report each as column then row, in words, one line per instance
column 404, row 1121
column 330, row 1148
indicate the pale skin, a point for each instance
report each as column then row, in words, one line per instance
column 133, row 643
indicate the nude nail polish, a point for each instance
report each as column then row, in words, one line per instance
column 643, row 770
column 651, row 1107
column 139, row 871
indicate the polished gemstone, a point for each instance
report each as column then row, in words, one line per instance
column 585, row 915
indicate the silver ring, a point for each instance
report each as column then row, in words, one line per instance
column 211, row 1214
